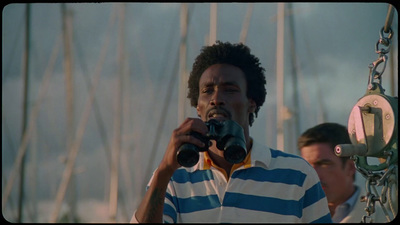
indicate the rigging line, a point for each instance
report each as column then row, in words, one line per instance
column 146, row 76
column 164, row 68
column 167, row 99
column 246, row 23
column 32, row 119
column 69, row 84
column 294, row 73
column 154, row 97
column 280, row 30
column 66, row 27
column 73, row 152
column 144, row 66
column 12, row 147
column 322, row 112
column 165, row 108
column 11, row 56
column 161, row 121
column 117, row 120
column 143, row 61
column 193, row 41
column 96, row 108
column 13, row 213
column 7, row 135
column 25, row 107
column 304, row 94
column 126, row 198
column 322, row 116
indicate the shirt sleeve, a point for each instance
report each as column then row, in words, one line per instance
column 169, row 212
column 170, row 205
column 315, row 204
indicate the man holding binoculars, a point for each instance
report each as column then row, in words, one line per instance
column 222, row 175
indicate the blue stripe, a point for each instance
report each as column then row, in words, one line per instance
column 169, row 211
column 286, row 176
column 183, row 176
column 277, row 153
column 265, row 204
column 172, row 199
column 197, row 203
column 313, row 195
column 325, row 219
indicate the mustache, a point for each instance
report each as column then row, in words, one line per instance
column 219, row 110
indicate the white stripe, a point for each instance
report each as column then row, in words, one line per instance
column 250, row 187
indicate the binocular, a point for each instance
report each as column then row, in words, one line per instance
column 229, row 137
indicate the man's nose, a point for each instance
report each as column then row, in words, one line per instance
column 217, row 99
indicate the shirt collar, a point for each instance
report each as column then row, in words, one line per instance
column 259, row 155
column 353, row 199
column 342, row 210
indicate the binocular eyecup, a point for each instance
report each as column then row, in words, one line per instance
column 229, row 137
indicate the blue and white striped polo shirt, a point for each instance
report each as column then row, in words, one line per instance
column 272, row 187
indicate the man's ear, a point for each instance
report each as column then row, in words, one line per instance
column 252, row 106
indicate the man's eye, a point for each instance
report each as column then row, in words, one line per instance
column 206, row 90
column 326, row 164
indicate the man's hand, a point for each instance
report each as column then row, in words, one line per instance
column 180, row 136
column 151, row 208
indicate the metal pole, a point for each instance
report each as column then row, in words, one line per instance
column 246, row 22
column 67, row 34
column 182, row 64
column 280, row 75
column 115, row 153
column 69, row 89
column 24, row 110
column 296, row 109
column 213, row 24
column 72, row 154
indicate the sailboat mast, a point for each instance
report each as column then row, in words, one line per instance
column 182, row 64
column 280, row 75
column 296, row 109
column 67, row 34
column 246, row 23
column 213, row 24
column 24, row 109
column 69, row 92
column 115, row 153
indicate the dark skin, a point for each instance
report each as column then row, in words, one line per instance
column 222, row 96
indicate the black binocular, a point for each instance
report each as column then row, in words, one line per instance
column 229, row 137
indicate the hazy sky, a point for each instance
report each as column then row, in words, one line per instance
column 334, row 43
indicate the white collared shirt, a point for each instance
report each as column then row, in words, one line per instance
column 342, row 210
